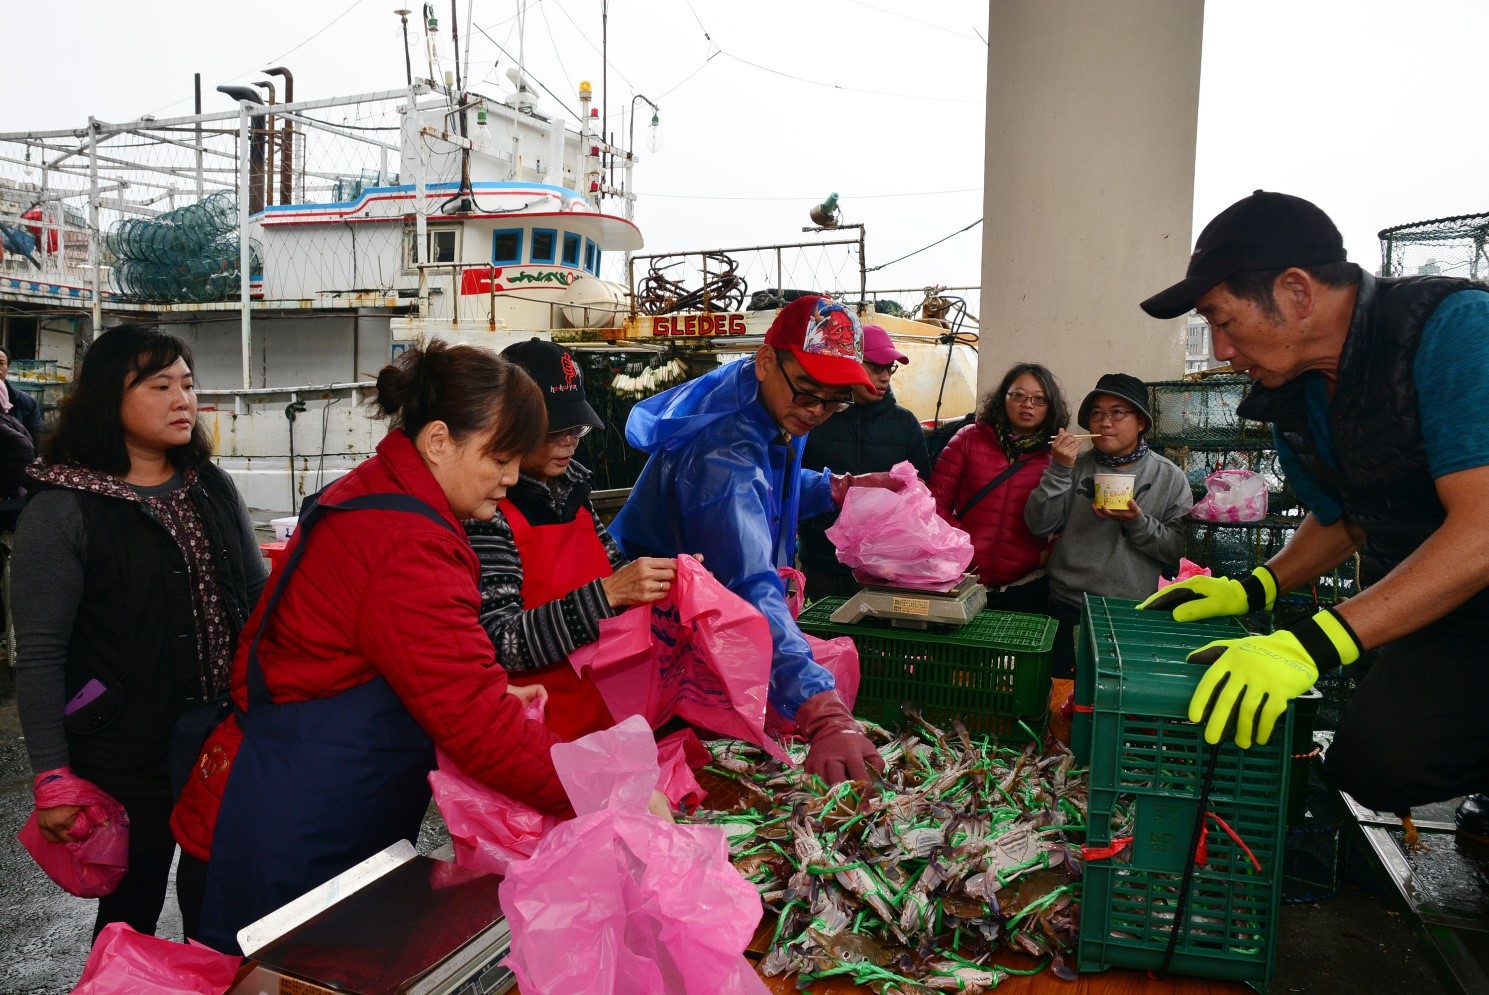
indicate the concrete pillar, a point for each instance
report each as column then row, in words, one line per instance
column 1089, row 185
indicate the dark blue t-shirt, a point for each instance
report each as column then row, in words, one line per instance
column 1453, row 357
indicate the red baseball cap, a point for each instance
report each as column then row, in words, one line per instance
column 825, row 338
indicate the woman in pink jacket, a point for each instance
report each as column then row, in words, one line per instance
column 985, row 475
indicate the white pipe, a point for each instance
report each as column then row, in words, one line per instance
column 244, row 257
column 95, row 258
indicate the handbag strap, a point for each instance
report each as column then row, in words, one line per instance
column 989, row 487
column 311, row 513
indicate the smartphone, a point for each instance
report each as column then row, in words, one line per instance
column 90, row 691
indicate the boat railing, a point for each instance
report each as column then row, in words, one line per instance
column 452, row 291
column 753, row 277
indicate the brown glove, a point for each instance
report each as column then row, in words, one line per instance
column 842, row 481
column 839, row 750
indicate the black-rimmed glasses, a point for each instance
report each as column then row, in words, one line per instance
column 803, row 399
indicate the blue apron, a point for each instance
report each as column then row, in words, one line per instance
column 317, row 786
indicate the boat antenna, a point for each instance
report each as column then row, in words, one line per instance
column 455, row 50
column 469, row 14
column 408, row 64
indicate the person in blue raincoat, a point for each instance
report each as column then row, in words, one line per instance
column 724, row 480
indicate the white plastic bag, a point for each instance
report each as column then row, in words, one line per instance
column 1232, row 496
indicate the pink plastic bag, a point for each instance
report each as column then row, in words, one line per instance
column 125, row 962
column 678, row 755
column 702, row 655
column 1187, row 568
column 98, row 858
column 488, row 829
column 897, row 536
column 840, row 656
column 796, row 589
column 1232, row 496
column 616, row 901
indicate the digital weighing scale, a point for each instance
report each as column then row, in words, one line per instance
column 395, row 924
column 914, row 607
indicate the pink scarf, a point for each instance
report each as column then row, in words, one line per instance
column 5, row 403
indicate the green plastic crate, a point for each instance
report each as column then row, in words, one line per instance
column 1154, row 633
column 990, row 673
column 1147, row 765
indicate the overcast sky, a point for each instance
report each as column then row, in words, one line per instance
column 1367, row 108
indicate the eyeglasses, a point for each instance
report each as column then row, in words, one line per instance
column 879, row 369
column 576, row 433
column 1019, row 397
column 1115, row 414
column 802, row 399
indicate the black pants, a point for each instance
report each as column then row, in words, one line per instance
column 1031, row 598
column 141, row 894
column 823, row 583
column 1416, row 730
column 1062, row 663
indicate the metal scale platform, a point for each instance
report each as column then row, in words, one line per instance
column 395, row 924
column 914, row 607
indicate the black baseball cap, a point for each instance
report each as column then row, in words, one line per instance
column 560, row 379
column 1266, row 231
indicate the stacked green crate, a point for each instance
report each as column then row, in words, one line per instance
column 1148, row 765
column 992, row 673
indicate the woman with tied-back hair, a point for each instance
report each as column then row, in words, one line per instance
column 367, row 652
column 134, row 568
column 1009, row 443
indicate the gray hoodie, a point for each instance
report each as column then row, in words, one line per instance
column 1101, row 556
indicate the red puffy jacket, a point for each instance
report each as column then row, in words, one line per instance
column 1004, row 550
column 390, row 593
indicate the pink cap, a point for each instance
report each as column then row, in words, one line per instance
column 878, row 349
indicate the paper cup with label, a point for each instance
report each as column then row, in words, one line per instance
column 284, row 527
column 1114, row 490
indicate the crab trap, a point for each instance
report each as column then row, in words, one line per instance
column 1185, row 841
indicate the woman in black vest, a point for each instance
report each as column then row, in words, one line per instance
column 135, row 567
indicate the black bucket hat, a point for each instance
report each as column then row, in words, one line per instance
column 560, row 379
column 1124, row 385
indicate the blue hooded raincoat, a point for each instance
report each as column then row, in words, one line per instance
column 725, row 481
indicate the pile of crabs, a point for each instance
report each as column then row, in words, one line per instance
column 964, row 851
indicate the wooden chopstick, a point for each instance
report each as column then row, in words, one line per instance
column 1078, row 435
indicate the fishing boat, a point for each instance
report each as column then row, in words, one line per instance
column 298, row 245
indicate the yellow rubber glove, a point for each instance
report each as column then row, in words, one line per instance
column 1254, row 678
column 1209, row 597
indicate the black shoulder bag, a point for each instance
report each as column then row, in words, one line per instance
column 988, row 488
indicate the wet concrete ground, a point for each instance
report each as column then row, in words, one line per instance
column 1347, row 944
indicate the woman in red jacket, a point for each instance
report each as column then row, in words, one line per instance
column 985, row 475
column 367, row 652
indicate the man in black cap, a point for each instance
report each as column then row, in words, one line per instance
column 549, row 569
column 1375, row 389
